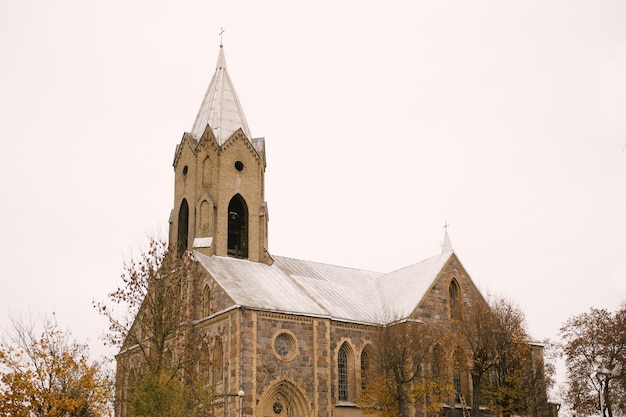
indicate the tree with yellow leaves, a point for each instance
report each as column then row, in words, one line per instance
column 49, row 374
column 408, row 371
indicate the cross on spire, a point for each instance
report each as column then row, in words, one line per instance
column 446, row 245
column 221, row 37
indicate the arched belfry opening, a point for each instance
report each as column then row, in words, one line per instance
column 183, row 228
column 238, row 227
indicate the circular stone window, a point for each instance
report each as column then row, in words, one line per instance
column 185, row 169
column 277, row 407
column 284, row 345
column 239, row 166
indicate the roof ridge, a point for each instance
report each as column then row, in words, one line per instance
column 419, row 262
column 329, row 264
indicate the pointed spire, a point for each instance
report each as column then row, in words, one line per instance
column 220, row 108
column 446, row 246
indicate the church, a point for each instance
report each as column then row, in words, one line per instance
column 280, row 337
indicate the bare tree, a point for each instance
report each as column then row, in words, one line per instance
column 147, row 316
column 150, row 303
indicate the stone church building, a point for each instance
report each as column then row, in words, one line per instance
column 280, row 337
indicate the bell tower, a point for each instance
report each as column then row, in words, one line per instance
column 219, row 170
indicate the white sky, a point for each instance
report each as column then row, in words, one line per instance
column 382, row 120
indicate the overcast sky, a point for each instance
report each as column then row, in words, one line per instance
column 383, row 120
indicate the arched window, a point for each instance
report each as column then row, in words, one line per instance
column 453, row 298
column 205, row 221
column 206, row 172
column 346, row 373
column 132, row 378
column 217, row 362
column 366, row 367
column 238, row 227
column 342, row 374
column 183, row 227
column 206, row 301
column 204, row 365
column 438, row 362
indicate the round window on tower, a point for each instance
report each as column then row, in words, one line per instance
column 185, row 169
column 239, row 166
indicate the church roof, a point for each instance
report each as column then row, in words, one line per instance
column 220, row 108
column 315, row 289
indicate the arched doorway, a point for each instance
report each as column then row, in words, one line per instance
column 284, row 399
column 238, row 227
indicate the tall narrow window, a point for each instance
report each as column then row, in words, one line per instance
column 217, row 362
column 206, row 172
column 437, row 362
column 366, row 363
column 453, row 297
column 206, row 301
column 457, row 372
column 204, row 218
column 238, row 227
column 204, row 365
column 183, row 227
column 342, row 373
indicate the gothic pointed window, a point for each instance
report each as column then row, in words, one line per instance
column 342, row 374
column 204, row 364
column 205, row 220
column 206, row 301
column 206, row 172
column 366, row 367
column 183, row 227
column 238, row 227
column 217, row 362
column 454, row 300
column 437, row 364
column 346, row 374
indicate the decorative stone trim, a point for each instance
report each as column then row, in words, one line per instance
column 279, row 316
column 239, row 135
column 351, row 326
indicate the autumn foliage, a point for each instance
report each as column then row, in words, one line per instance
column 407, row 371
column 590, row 340
column 47, row 374
column 507, row 370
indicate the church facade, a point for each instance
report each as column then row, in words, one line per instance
column 276, row 336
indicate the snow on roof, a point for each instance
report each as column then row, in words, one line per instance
column 315, row 289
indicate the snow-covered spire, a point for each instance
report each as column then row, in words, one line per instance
column 220, row 108
column 446, row 246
